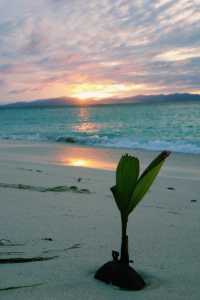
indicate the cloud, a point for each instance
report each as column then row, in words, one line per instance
column 179, row 54
column 47, row 45
column 5, row 68
column 2, row 82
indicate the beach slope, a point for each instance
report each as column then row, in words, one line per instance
column 64, row 219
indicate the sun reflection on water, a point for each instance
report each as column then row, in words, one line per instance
column 87, row 127
column 85, row 124
column 84, row 113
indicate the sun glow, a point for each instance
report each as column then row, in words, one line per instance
column 99, row 91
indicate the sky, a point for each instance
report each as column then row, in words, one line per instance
column 98, row 49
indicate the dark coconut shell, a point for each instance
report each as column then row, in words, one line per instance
column 120, row 274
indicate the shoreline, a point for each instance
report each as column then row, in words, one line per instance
column 83, row 145
column 80, row 155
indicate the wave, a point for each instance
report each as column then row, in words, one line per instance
column 128, row 143
column 113, row 141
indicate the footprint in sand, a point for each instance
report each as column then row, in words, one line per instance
column 16, row 260
column 171, row 188
column 47, row 239
column 61, row 188
column 5, row 242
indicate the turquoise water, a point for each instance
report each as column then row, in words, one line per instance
column 172, row 126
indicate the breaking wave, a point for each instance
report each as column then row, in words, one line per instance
column 112, row 142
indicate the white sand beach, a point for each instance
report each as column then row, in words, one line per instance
column 78, row 225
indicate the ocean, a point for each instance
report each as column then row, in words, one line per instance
column 150, row 126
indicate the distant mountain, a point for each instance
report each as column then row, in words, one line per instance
column 154, row 98
column 64, row 101
column 52, row 102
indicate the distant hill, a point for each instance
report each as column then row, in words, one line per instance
column 64, row 101
column 154, row 98
column 52, row 102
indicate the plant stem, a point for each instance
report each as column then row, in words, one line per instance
column 124, row 244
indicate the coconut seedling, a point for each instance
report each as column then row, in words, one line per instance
column 128, row 191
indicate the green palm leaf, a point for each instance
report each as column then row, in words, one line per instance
column 146, row 180
column 126, row 177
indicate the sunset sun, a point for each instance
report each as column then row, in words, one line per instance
column 98, row 91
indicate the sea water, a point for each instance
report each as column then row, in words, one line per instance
column 151, row 126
